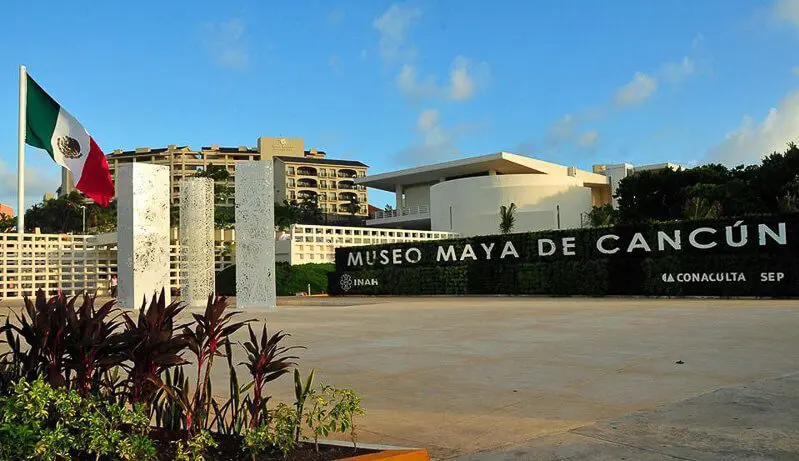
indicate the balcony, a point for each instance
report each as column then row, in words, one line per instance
column 346, row 185
column 346, row 173
column 307, row 182
column 306, row 171
column 414, row 217
column 306, row 194
column 347, row 196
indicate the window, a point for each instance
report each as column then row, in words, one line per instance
column 323, row 183
column 323, row 208
column 332, row 173
column 332, row 208
column 323, row 173
column 291, row 182
column 290, row 171
column 362, row 197
column 322, row 196
column 332, row 184
column 362, row 174
column 292, row 195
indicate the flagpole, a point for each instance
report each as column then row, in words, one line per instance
column 23, row 100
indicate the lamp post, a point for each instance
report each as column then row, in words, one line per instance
column 83, row 210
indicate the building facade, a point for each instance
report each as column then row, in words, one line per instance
column 465, row 196
column 6, row 210
column 299, row 173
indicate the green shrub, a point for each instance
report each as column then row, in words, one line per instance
column 289, row 279
column 41, row 423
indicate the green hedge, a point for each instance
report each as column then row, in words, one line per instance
column 588, row 271
column 289, row 279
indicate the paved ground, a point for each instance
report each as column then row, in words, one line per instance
column 541, row 378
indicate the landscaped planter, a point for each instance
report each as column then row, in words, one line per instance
column 382, row 452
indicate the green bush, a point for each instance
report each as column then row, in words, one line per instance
column 289, row 279
column 42, row 423
column 585, row 271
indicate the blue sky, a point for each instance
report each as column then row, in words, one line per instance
column 396, row 84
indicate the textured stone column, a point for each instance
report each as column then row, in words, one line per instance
column 255, row 235
column 142, row 233
column 196, row 240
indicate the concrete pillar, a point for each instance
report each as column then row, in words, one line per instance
column 399, row 199
column 255, row 235
column 142, row 233
column 196, row 240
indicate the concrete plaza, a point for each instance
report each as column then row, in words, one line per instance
column 511, row 378
column 461, row 376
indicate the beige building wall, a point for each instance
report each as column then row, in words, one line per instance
column 304, row 176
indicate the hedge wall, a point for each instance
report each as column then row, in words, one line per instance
column 587, row 271
column 289, row 279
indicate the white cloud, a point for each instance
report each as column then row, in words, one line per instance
column 436, row 142
column 225, row 43
column 335, row 64
column 392, row 26
column 408, row 82
column 787, row 10
column 588, row 139
column 465, row 79
column 752, row 141
column 638, row 90
column 335, row 17
column 676, row 72
column 461, row 82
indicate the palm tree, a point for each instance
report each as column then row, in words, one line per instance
column 507, row 218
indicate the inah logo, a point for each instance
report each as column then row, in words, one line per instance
column 346, row 282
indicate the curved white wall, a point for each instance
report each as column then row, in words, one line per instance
column 473, row 204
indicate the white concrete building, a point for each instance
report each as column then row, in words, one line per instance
column 465, row 196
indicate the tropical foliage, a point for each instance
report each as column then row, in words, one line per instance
column 507, row 218
column 80, row 380
column 64, row 215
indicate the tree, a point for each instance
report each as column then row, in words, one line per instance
column 286, row 214
column 507, row 218
column 309, row 211
column 353, row 207
column 224, row 214
column 7, row 223
column 64, row 215
column 604, row 215
column 388, row 208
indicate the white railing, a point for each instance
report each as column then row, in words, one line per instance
column 74, row 263
column 405, row 211
column 317, row 244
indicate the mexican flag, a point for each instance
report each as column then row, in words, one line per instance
column 50, row 127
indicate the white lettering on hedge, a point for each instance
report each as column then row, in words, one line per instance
column 568, row 246
column 384, row 257
column 355, row 259
column 701, row 230
column 374, row 256
column 488, row 249
column 674, row 242
column 550, row 251
column 449, row 255
column 414, row 251
column 508, row 250
column 708, row 277
column 601, row 247
column 396, row 255
column 780, row 237
column 468, row 252
column 637, row 243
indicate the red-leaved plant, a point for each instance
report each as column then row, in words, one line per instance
column 207, row 340
column 153, row 347
column 266, row 361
